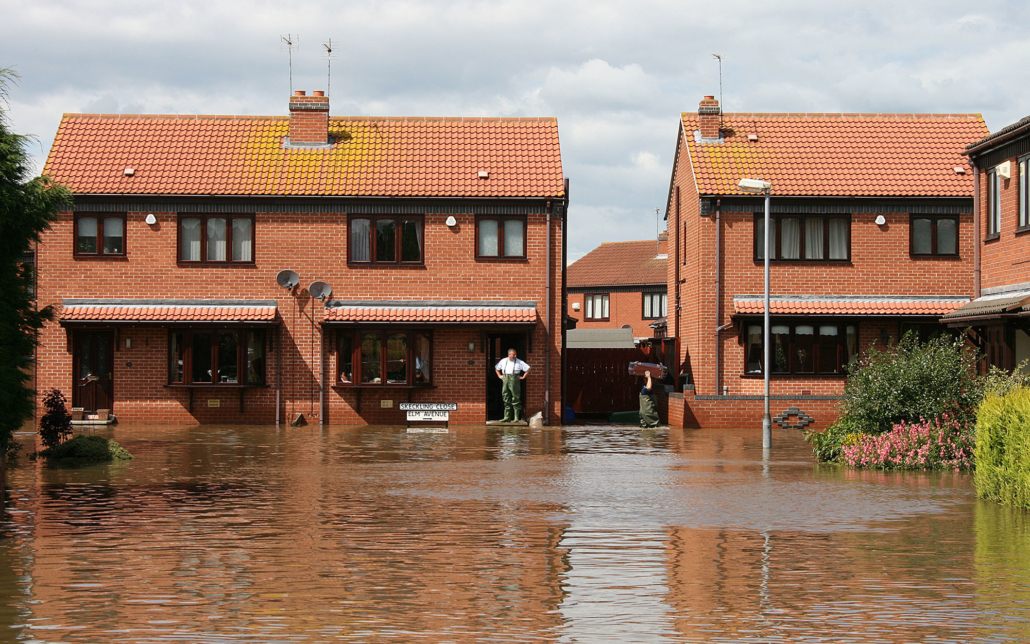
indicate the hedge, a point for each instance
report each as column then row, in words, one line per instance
column 1002, row 452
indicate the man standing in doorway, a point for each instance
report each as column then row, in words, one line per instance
column 511, row 370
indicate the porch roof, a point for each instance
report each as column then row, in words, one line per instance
column 852, row 305
column 421, row 312
column 167, row 311
column 996, row 304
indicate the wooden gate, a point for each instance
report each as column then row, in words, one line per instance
column 599, row 382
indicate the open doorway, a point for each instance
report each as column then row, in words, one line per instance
column 497, row 349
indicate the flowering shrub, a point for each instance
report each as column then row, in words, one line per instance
column 943, row 443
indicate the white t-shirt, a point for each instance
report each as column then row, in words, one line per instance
column 516, row 366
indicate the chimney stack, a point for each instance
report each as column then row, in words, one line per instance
column 709, row 112
column 309, row 119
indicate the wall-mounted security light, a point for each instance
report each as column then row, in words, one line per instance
column 575, row 306
column 150, row 219
column 880, row 220
column 472, row 346
column 128, row 343
column 1004, row 170
column 451, row 222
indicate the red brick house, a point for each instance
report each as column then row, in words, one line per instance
column 873, row 235
column 1000, row 311
column 441, row 239
column 619, row 285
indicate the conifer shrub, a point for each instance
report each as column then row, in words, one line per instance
column 1003, row 448
column 56, row 423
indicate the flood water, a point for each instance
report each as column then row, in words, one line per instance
column 582, row 534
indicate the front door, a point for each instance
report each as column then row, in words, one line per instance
column 497, row 349
column 94, row 370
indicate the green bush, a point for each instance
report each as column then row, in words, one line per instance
column 56, row 423
column 827, row 445
column 1003, row 448
column 910, row 381
column 87, row 449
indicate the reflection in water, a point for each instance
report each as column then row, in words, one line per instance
column 257, row 534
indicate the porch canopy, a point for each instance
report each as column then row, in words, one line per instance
column 429, row 312
column 993, row 306
column 136, row 312
column 850, row 305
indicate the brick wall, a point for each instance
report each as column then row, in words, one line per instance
column 314, row 246
column 1004, row 260
column 623, row 308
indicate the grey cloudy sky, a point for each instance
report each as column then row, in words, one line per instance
column 616, row 74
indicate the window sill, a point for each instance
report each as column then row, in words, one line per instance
column 107, row 257
column 339, row 387
column 782, row 376
column 1023, row 229
column 372, row 265
column 515, row 260
column 992, row 237
column 761, row 262
column 183, row 264
column 931, row 256
column 206, row 385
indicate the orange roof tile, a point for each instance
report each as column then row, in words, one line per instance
column 80, row 310
column 845, row 305
column 437, row 312
column 618, row 263
column 244, row 155
column 847, row 155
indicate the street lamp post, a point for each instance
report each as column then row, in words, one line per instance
column 757, row 186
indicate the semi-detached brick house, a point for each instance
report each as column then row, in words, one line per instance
column 619, row 285
column 873, row 229
column 999, row 314
column 441, row 239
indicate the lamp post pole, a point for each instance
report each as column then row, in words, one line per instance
column 766, row 417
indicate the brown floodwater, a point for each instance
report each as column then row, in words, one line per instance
column 582, row 534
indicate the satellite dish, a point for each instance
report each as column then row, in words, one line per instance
column 320, row 290
column 287, row 278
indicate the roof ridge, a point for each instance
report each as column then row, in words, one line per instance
column 283, row 117
column 848, row 115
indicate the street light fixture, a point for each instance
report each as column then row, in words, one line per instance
column 757, row 186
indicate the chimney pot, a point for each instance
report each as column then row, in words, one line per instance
column 709, row 98
column 299, row 92
column 318, row 92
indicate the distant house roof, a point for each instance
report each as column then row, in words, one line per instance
column 618, row 263
column 843, row 155
column 244, row 155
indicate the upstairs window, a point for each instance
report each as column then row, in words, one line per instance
column 804, row 238
column 933, row 235
column 216, row 239
column 500, row 237
column 655, row 306
column 1024, row 192
column 595, row 308
column 385, row 239
column 100, row 235
column 811, row 347
column 993, row 203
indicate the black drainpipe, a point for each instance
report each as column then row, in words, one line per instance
column 564, row 295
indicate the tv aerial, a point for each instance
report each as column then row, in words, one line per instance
column 290, row 43
column 328, row 55
column 320, row 290
column 287, row 279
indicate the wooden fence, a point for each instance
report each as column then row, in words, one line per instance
column 598, row 380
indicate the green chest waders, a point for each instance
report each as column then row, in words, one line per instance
column 649, row 411
column 511, row 393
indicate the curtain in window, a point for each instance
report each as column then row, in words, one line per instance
column 994, row 209
column 114, row 235
column 838, row 238
column 411, row 240
column 814, row 238
column 589, row 306
column 242, row 240
column 647, row 305
column 665, row 305
column 175, row 347
column 513, row 234
column 780, row 348
column 604, row 303
column 422, row 357
column 216, row 239
column 360, row 240
column 488, row 237
column 87, row 242
column 922, row 236
column 190, row 234
column 754, row 349
column 760, row 238
column 947, row 242
column 1024, row 183
column 804, row 346
column 851, row 343
column 790, row 244
column 255, row 357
